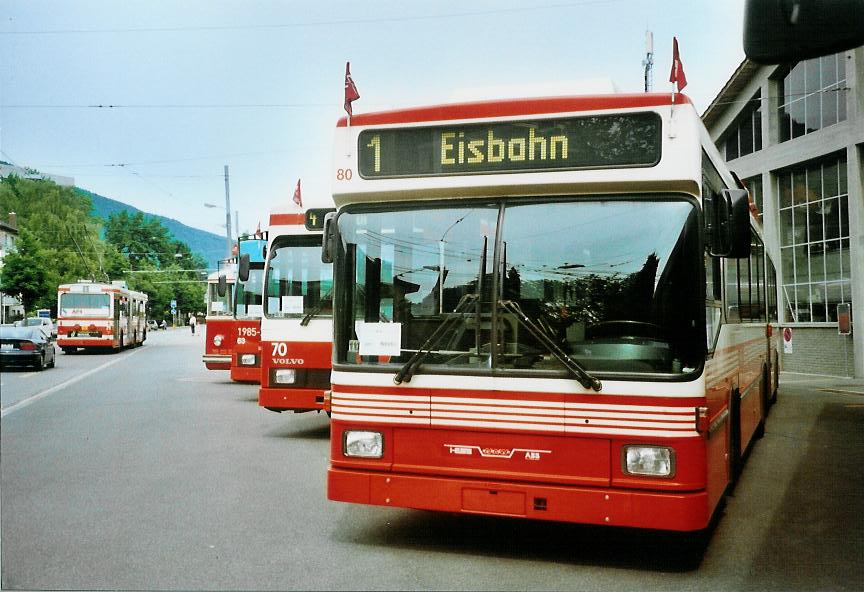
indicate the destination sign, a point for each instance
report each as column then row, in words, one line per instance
column 599, row 141
column 315, row 217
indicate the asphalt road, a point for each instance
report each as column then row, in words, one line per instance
column 143, row 470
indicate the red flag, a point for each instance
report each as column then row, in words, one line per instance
column 297, row 199
column 677, row 74
column 351, row 93
column 258, row 233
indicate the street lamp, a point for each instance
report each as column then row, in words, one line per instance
column 229, row 242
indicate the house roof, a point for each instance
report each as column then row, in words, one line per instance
column 730, row 92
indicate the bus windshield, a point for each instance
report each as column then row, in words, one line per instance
column 78, row 304
column 248, row 304
column 297, row 282
column 219, row 306
column 613, row 283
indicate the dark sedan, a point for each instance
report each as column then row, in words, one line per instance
column 25, row 346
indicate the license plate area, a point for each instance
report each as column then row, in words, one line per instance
column 493, row 501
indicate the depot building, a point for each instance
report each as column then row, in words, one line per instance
column 794, row 133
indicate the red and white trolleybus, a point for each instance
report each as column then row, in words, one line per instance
column 248, row 308
column 106, row 316
column 554, row 308
column 220, row 334
column 297, row 327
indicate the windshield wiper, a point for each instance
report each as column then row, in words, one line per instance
column 314, row 312
column 457, row 316
column 576, row 370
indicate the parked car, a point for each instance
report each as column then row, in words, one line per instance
column 45, row 325
column 26, row 346
column 152, row 325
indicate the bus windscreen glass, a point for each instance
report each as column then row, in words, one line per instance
column 614, row 282
column 248, row 304
column 597, row 141
column 298, row 283
column 78, row 304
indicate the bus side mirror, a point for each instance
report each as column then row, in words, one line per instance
column 328, row 238
column 243, row 268
column 778, row 31
column 221, row 286
column 730, row 226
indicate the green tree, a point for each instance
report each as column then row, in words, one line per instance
column 164, row 268
column 61, row 233
column 24, row 273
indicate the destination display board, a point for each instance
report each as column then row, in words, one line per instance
column 600, row 141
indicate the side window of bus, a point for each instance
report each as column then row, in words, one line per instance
column 713, row 299
column 757, row 280
column 771, row 291
column 748, row 287
column 733, row 313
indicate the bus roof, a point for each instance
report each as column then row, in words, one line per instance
column 513, row 108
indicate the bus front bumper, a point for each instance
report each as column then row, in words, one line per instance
column 246, row 374
column 217, row 361
column 85, row 342
column 584, row 505
column 291, row 399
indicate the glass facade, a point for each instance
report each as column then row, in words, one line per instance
column 814, row 96
column 813, row 206
column 746, row 136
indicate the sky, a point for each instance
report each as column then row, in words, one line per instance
column 146, row 102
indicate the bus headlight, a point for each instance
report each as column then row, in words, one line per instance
column 648, row 461
column 362, row 444
column 285, row 376
column 217, row 340
column 247, row 360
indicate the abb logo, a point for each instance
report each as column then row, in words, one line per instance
column 463, row 450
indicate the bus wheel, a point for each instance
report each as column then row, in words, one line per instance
column 68, row 350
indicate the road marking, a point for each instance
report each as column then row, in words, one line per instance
column 840, row 391
column 29, row 375
column 33, row 398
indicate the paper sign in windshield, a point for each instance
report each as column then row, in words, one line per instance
column 292, row 305
column 379, row 339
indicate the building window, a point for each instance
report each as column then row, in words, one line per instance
column 746, row 135
column 813, row 202
column 754, row 186
column 814, row 96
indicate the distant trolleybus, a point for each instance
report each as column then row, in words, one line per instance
column 248, row 308
column 555, row 309
column 99, row 316
column 297, row 328
column 219, row 327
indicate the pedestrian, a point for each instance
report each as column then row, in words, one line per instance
column 192, row 322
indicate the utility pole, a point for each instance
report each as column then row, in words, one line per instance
column 228, row 213
column 648, row 62
column 237, row 223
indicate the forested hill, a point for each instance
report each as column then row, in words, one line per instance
column 208, row 245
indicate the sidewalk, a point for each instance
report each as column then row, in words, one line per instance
column 819, row 382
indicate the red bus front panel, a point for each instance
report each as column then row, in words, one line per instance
column 246, row 359
column 220, row 339
column 310, row 362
